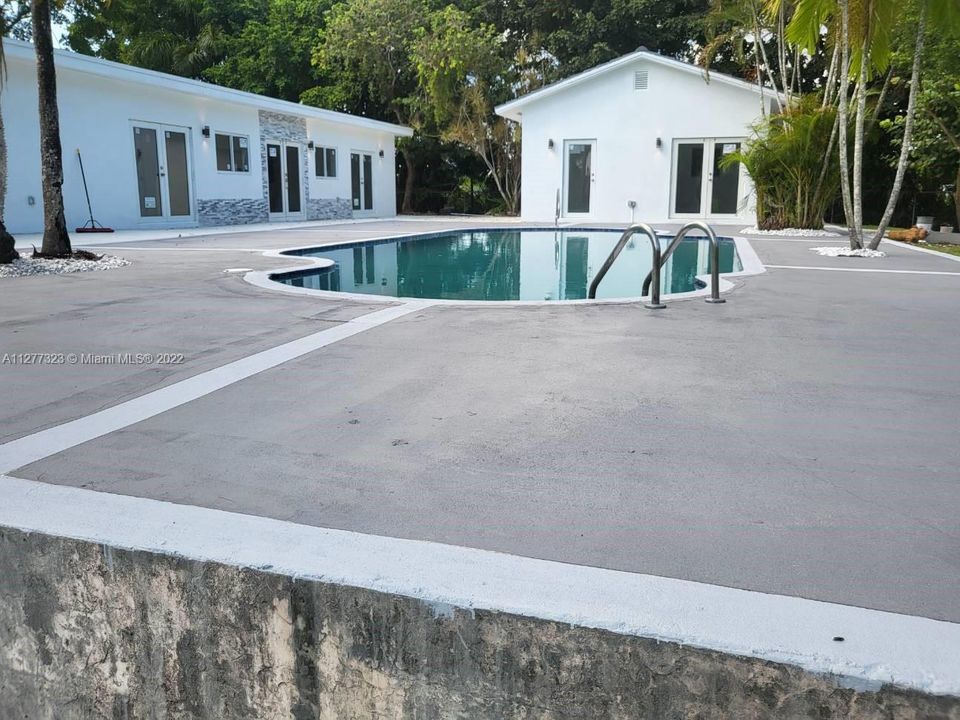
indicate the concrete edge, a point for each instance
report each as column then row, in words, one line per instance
column 928, row 251
column 263, row 279
column 878, row 648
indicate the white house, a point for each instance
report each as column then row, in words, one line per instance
column 638, row 138
column 164, row 151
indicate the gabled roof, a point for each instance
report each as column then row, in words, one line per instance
column 514, row 109
column 18, row 49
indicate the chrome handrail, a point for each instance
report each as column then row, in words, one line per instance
column 714, row 259
column 654, row 303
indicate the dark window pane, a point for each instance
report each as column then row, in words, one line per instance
column 148, row 171
column 223, row 152
column 331, row 162
column 318, row 162
column 726, row 181
column 689, row 178
column 355, row 180
column 241, row 155
column 293, row 179
column 275, row 178
column 178, row 180
column 367, row 183
column 579, row 175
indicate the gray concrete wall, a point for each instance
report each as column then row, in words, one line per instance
column 87, row 631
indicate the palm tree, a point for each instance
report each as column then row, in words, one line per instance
column 861, row 31
column 56, row 240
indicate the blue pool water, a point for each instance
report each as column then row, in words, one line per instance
column 505, row 264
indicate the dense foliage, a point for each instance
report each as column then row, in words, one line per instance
column 793, row 166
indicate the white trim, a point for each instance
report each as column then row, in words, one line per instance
column 878, row 647
column 928, row 251
column 21, row 50
column 42, row 444
column 862, row 270
column 513, row 109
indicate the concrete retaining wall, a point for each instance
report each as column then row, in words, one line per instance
column 87, row 631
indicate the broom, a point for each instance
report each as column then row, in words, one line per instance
column 91, row 226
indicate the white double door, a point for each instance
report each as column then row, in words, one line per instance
column 285, row 180
column 702, row 185
column 164, row 179
column 361, row 182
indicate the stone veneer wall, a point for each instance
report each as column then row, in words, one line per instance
column 329, row 209
column 88, row 631
column 232, row 211
column 288, row 128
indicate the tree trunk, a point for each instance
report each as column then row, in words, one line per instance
column 8, row 252
column 56, row 240
column 409, row 183
column 844, row 120
column 907, row 131
column 858, row 139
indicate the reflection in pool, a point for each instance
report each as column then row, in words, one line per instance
column 505, row 265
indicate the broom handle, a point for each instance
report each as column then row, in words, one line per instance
column 85, row 191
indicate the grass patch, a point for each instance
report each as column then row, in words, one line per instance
column 942, row 247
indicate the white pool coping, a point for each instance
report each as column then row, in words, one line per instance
column 878, row 647
column 750, row 261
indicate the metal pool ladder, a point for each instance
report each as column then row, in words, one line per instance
column 651, row 283
column 654, row 303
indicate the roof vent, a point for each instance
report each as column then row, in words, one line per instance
column 641, row 79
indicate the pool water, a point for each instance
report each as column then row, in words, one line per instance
column 505, row 265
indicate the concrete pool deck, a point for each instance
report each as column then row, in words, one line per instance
column 798, row 440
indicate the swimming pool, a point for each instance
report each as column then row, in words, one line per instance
column 504, row 264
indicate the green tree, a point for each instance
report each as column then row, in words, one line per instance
column 272, row 55
column 464, row 71
column 56, row 239
column 368, row 44
column 935, row 145
column 863, row 34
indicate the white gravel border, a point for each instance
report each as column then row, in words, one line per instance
column 841, row 251
column 26, row 266
column 789, row 232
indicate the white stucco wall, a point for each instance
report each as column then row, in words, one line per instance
column 625, row 124
column 97, row 114
column 346, row 140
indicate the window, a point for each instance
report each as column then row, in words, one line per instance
column 325, row 160
column 233, row 153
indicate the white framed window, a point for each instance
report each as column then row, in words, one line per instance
column 325, row 161
column 233, row 153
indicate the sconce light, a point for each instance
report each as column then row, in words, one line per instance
column 550, row 144
column 205, row 131
column 381, row 152
column 659, row 143
column 310, row 144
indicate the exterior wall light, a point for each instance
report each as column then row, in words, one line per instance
column 550, row 144
column 205, row 131
column 310, row 144
column 659, row 143
column 381, row 152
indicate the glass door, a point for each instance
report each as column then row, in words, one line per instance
column 361, row 182
column 578, row 175
column 284, row 183
column 162, row 158
column 704, row 186
column 724, row 181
